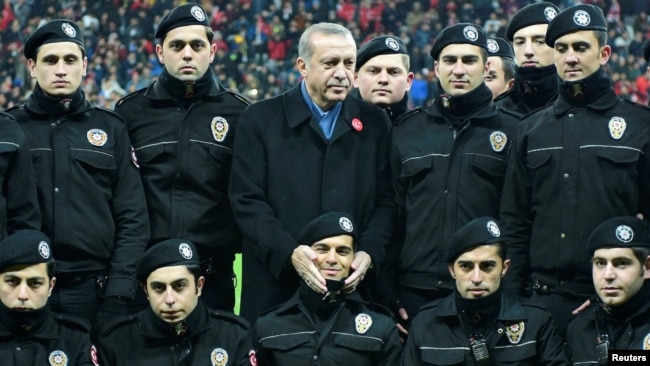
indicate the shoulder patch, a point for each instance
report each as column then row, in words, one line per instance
column 230, row 317
column 401, row 119
column 73, row 321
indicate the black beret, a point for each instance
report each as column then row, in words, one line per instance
column 481, row 231
column 382, row 45
column 325, row 226
column 539, row 13
column 59, row 30
column 574, row 19
column 646, row 50
column 622, row 232
column 499, row 47
column 180, row 16
column 459, row 33
column 24, row 247
column 171, row 252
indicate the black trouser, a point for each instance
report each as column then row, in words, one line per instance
column 560, row 305
column 78, row 293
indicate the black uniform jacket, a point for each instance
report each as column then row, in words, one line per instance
column 61, row 340
column 571, row 169
column 582, row 333
column 90, row 192
column 354, row 335
column 285, row 173
column 513, row 103
column 18, row 198
column 185, row 158
column 523, row 334
column 444, row 176
column 219, row 338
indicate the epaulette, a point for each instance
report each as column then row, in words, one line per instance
column 636, row 104
column 230, row 317
column 432, row 304
column 238, row 96
column 509, row 112
column 130, row 95
column 531, row 304
column 111, row 112
column 73, row 321
column 408, row 115
column 18, row 106
column 537, row 110
column 116, row 323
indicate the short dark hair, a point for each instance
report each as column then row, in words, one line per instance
column 508, row 67
column 51, row 268
column 641, row 253
column 601, row 37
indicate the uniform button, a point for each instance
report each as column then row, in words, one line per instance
column 53, row 124
column 56, row 190
column 440, row 283
column 315, row 357
column 563, row 235
column 561, row 282
column 570, row 115
column 566, row 175
column 187, row 351
column 18, row 349
column 500, row 330
column 446, row 191
column 544, row 288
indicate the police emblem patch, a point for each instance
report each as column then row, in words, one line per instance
column 646, row 342
column 68, row 30
column 515, row 331
column 581, row 18
column 197, row 13
column 498, row 140
column 470, row 33
column 392, row 44
column 58, row 358
column 346, row 224
column 617, row 126
column 492, row 46
column 219, row 127
column 185, row 250
column 493, row 228
column 624, row 233
column 219, row 357
column 97, row 137
column 362, row 322
column 550, row 13
column 44, row 249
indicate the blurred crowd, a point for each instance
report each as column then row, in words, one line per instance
column 257, row 40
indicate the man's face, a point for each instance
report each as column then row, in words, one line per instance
column 334, row 256
column 384, row 79
column 58, row 68
column 329, row 74
column 495, row 78
column 478, row 272
column 618, row 275
column 26, row 287
column 460, row 68
column 577, row 55
column 530, row 48
column 186, row 52
column 173, row 292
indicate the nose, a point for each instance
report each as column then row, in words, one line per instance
column 528, row 49
column 610, row 273
column 187, row 52
column 23, row 292
column 477, row 276
column 169, row 297
column 459, row 68
column 383, row 77
column 331, row 257
column 571, row 58
column 61, row 69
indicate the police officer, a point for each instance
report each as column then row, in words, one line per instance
column 589, row 143
column 535, row 75
column 177, row 329
column 335, row 329
column 382, row 75
column 310, row 150
column 620, row 319
column 480, row 323
column 31, row 334
column 182, row 128
column 90, row 193
column 501, row 66
column 448, row 164
column 18, row 200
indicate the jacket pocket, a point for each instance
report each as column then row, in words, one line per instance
column 148, row 154
column 443, row 356
column 286, row 342
column 95, row 160
column 358, row 343
column 537, row 159
column 489, row 166
column 415, row 166
column 516, row 353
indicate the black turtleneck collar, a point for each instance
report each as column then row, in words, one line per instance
column 187, row 92
column 587, row 92
column 197, row 322
column 482, row 311
column 396, row 109
column 629, row 309
column 41, row 103
column 536, row 86
column 23, row 324
column 459, row 109
column 319, row 304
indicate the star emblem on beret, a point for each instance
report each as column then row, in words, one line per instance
column 346, row 224
column 68, row 30
column 581, row 18
column 392, row 44
column 550, row 13
column 470, row 33
column 492, row 46
column 185, row 251
column 624, row 233
column 493, row 228
column 197, row 13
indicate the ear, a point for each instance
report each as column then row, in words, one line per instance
column 409, row 80
column 506, row 265
column 510, row 83
column 213, row 51
column 486, row 68
column 199, row 285
column 302, row 66
column 31, row 64
column 85, row 65
column 52, row 283
column 143, row 286
column 605, row 53
column 435, row 68
column 451, row 270
column 159, row 52
column 355, row 82
column 646, row 268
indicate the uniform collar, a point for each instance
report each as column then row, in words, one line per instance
column 156, row 91
column 197, row 322
column 42, row 104
column 511, row 309
column 593, row 92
